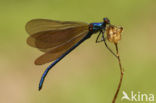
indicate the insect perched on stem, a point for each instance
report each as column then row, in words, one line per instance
column 59, row 38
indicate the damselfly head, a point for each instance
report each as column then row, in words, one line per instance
column 113, row 33
column 106, row 20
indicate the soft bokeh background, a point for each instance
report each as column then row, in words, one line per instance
column 90, row 74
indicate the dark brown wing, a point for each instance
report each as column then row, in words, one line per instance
column 39, row 25
column 45, row 34
column 56, row 52
column 54, row 37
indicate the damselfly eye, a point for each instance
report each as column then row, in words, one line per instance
column 106, row 20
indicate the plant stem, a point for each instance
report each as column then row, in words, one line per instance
column 121, row 76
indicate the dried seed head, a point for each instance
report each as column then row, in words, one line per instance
column 113, row 33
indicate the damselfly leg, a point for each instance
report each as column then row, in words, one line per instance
column 97, row 39
column 104, row 40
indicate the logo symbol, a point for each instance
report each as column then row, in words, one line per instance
column 125, row 96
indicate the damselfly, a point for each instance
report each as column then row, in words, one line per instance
column 59, row 38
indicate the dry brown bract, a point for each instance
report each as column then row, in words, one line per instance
column 113, row 33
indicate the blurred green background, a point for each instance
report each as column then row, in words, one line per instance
column 90, row 74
